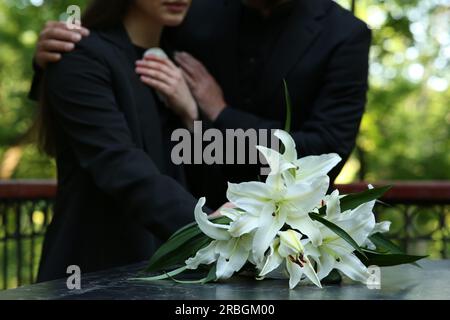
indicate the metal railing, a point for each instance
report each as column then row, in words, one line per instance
column 420, row 213
column 25, row 212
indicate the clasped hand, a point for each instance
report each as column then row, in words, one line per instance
column 165, row 77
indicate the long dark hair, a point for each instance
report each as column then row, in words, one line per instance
column 99, row 14
column 105, row 13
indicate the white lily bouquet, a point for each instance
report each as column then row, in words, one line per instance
column 286, row 226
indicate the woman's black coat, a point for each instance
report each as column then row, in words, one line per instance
column 118, row 194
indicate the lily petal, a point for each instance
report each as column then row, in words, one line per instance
column 381, row 227
column 325, row 264
column 353, row 268
column 212, row 230
column 249, row 196
column 306, row 196
column 268, row 227
column 290, row 243
column 290, row 153
column 313, row 166
column 206, row 256
column 276, row 181
column 369, row 245
column 306, row 226
column 273, row 260
column 333, row 204
column 231, row 213
column 275, row 160
column 310, row 273
column 358, row 223
column 246, row 223
column 295, row 273
column 233, row 261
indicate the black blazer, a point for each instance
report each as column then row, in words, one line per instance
column 117, row 192
column 322, row 54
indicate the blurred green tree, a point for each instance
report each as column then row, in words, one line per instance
column 20, row 24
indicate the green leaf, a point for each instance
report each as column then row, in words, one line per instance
column 182, row 245
column 381, row 242
column 163, row 276
column 387, row 259
column 174, row 244
column 354, row 200
column 179, row 255
column 211, row 277
column 287, row 97
column 338, row 230
column 186, row 228
column 223, row 220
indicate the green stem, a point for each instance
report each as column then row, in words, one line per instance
column 163, row 276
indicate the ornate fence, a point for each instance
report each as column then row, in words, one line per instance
column 25, row 212
column 420, row 213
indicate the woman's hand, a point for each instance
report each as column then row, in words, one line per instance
column 162, row 75
column 204, row 87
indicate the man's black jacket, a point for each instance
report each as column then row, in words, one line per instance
column 323, row 56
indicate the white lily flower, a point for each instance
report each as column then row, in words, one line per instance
column 231, row 254
column 269, row 206
column 284, row 198
column 311, row 167
column 306, row 168
column 272, row 261
column 289, row 248
column 278, row 162
column 212, row 230
column 381, row 227
column 335, row 252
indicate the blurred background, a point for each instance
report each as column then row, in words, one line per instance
column 404, row 134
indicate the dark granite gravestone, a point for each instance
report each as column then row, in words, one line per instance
column 432, row 281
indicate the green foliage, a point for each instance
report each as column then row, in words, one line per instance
column 405, row 132
column 20, row 25
column 182, row 245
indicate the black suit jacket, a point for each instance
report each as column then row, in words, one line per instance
column 323, row 56
column 117, row 192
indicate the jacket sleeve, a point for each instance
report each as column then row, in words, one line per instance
column 338, row 109
column 82, row 99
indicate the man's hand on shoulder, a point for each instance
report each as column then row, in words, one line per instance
column 55, row 39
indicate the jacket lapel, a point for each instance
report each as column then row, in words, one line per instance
column 301, row 30
column 119, row 37
column 143, row 98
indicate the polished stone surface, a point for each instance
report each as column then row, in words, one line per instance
column 432, row 281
